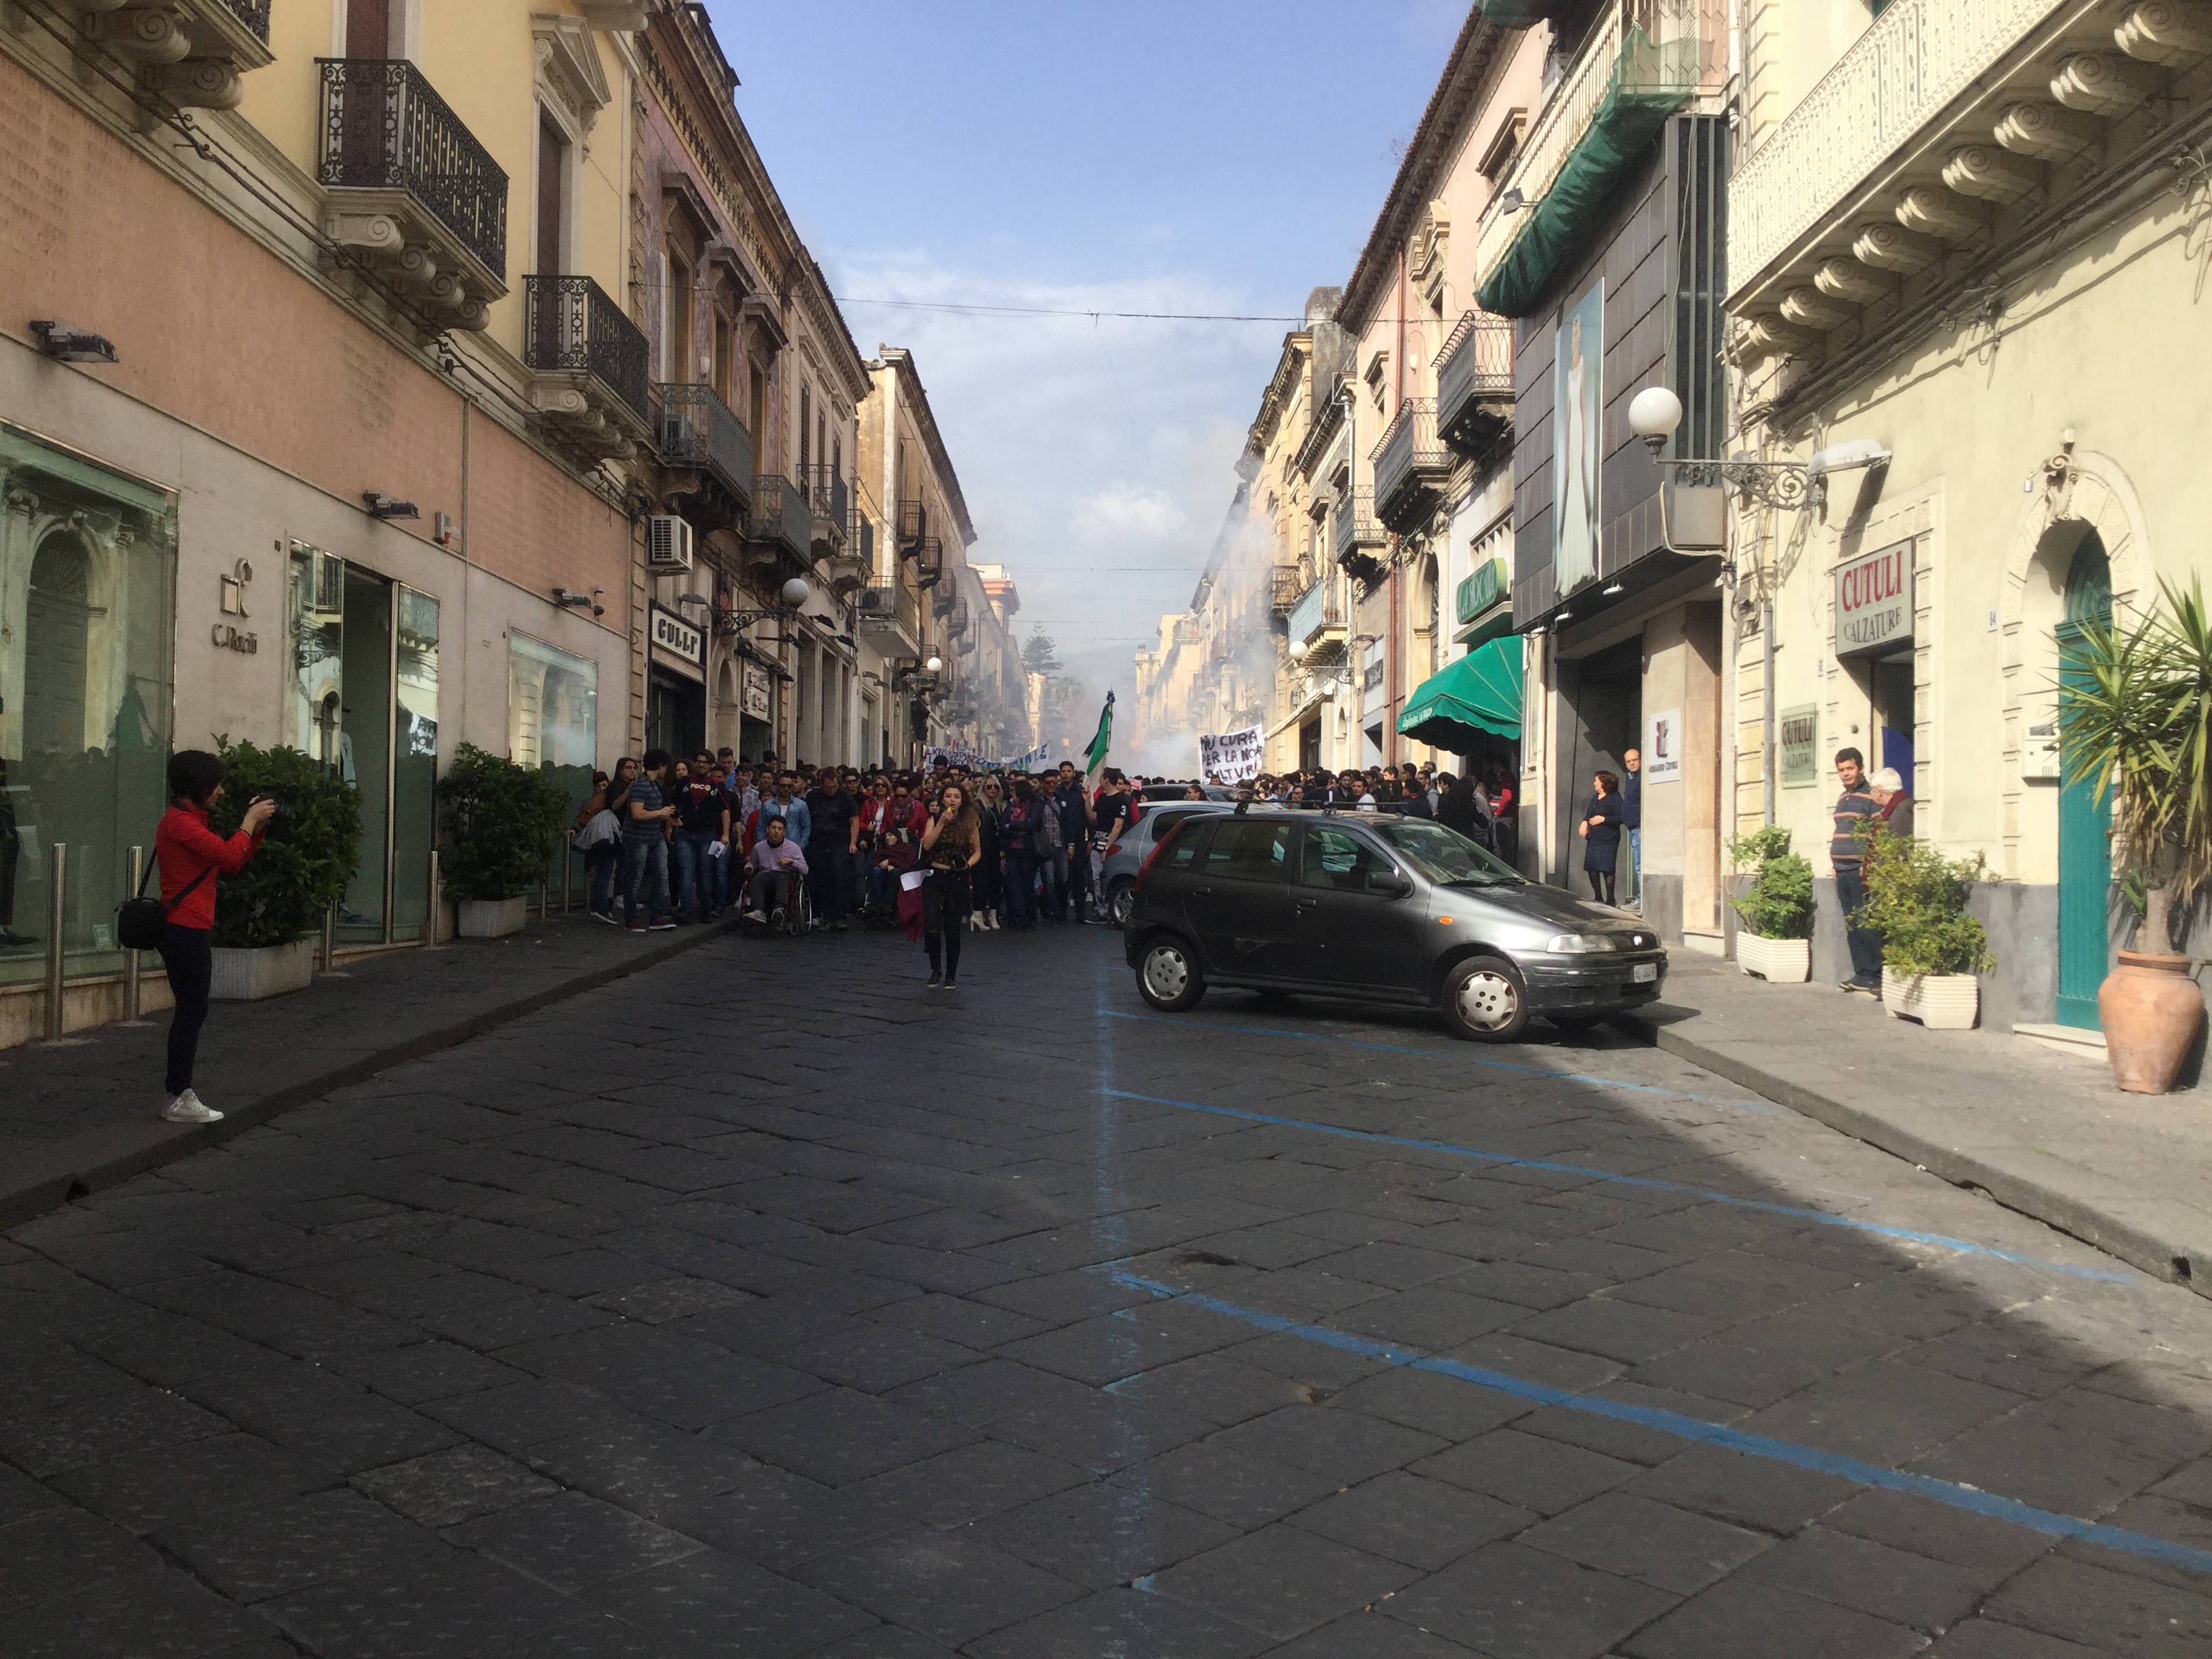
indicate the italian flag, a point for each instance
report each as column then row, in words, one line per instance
column 1094, row 760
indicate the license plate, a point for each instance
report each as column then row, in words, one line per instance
column 1643, row 972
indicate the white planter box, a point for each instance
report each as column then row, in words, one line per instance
column 1942, row 1002
column 493, row 918
column 1778, row 961
column 268, row 971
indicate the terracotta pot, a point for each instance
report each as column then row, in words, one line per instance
column 2151, row 1010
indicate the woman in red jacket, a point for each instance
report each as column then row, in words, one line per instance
column 190, row 855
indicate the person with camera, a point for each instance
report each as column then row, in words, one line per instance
column 190, row 855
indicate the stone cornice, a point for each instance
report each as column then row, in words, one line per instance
column 913, row 399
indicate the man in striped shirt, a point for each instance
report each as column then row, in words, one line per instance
column 1847, row 852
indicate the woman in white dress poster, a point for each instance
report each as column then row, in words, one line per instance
column 1575, row 440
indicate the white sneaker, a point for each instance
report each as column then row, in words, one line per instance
column 755, row 915
column 188, row 1108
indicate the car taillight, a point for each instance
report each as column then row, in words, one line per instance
column 1153, row 857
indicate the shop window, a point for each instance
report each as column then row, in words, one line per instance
column 553, row 720
column 87, row 573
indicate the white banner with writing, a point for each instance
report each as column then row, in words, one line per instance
column 1231, row 756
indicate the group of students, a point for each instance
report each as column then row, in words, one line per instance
column 1480, row 805
column 838, row 840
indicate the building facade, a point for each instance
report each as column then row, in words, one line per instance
column 1972, row 280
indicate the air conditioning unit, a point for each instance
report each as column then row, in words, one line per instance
column 877, row 601
column 667, row 543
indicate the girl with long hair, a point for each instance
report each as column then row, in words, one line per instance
column 951, row 846
column 990, row 819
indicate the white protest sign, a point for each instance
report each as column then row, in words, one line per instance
column 1231, row 756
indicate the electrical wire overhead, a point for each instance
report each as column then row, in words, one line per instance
column 978, row 309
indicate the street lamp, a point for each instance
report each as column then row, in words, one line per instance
column 935, row 664
column 793, row 593
column 1655, row 413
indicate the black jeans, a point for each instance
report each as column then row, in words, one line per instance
column 190, row 959
column 1864, row 942
column 944, row 914
column 831, row 865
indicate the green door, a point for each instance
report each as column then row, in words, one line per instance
column 2084, row 816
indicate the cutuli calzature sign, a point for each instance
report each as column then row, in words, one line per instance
column 1873, row 600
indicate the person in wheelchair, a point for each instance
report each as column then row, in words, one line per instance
column 778, row 865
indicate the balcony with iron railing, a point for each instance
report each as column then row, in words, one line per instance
column 191, row 52
column 929, row 561
column 1285, row 582
column 411, row 189
column 706, row 449
column 831, row 501
column 779, row 528
column 1354, row 536
column 1412, row 466
column 1318, row 616
column 892, row 605
column 913, row 525
column 1474, row 384
column 587, row 362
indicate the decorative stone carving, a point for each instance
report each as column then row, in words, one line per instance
column 1778, row 337
column 1934, row 212
column 1814, row 309
column 1847, row 279
column 569, row 73
column 615, row 15
column 2050, row 132
column 1893, row 248
column 2166, row 32
column 1990, row 173
column 146, row 34
column 2103, row 83
column 197, row 83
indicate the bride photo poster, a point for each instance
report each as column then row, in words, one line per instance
column 1578, row 421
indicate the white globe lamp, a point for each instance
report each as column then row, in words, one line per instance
column 935, row 664
column 796, row 592
column 1653, row 415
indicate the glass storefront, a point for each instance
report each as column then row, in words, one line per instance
column 364, row 702
column 87, row 580
column 553, row 722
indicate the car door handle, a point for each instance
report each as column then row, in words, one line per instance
column 1308, row 905
column 1201, row 892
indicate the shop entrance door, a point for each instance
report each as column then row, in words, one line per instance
column 2085, row 815
column 365, row 703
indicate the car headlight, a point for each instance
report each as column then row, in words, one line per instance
column 1576, row 944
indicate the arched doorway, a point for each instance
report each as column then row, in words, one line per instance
column 56, row 628
column 2085, row 813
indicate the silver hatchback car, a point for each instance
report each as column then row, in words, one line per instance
column 1117, row 879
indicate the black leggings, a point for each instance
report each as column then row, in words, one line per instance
column 1600, row 884
column 944, row 914
column 186, row 954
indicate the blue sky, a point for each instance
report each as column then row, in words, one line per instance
column 1213, row 156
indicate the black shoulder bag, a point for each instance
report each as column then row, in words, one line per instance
column 139, row 920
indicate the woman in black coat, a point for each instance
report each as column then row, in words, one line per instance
column 1601, row 832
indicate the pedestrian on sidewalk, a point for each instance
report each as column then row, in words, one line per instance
column 602, row 858
column 645, row 846
column 190, row 855
column 1025, row 832
column 1847, row 852
column 1632, row 822
column 990, row 882
column 702, row 842
column 951, row 846
column 1601, row 833
column 830, row 812
column 1888, row 788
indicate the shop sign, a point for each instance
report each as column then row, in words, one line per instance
column 1796, row 734
column 757, row 700
column 1873, row 600
column 1481, row 589
column 674, row 637
column 1662, row 748
column 229, row 636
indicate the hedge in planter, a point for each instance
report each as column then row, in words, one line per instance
column 1778, row 903
column 306, row 858
column 1917, row 901
column 502, row 821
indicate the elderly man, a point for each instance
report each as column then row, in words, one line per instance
column 1895, row 805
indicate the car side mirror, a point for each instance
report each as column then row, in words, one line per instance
column 1388, row 883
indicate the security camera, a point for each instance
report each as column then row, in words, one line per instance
column 68, row 344
column 381, row 506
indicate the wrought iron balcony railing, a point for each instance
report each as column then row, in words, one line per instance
column 697, row 429
column 1410, row 465
column 780, row 519
column 831, row 501
column 1318, row 610
column 1285, row 582
column 574, row 323
column 929, row 562
column 913, row 525
column 384, row 127
column 1352, row 531
column 1474, row 383
column 254, row 14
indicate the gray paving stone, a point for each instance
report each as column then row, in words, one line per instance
column 428, row 1371
column 1615, row 1329
column 1749, row 1491
column 1876, row 1413
column 1213, row 1388
column 253, row 1554
column 1986, row 1639
column 1237, row 1487
column 838, row 1437
column 203, row 1477
column 1345, row 1446
column 1282, row 1581
column 968, row 1484
column 65, row 1547
column 875, row 1359
column 646, row 1467
column 1371, row 1635
column 699, row 1396
column 1102, row 1534
column 162, row 1614
column 1421, row 1522
column 779, row 1520
column 944, row 1585
column 454, row 1604
column 445, row 1488
column 518, row 1415
column 310, row 1411
column 711, row 1603
column 1671, row 1549
column 1536, row 1473
column 1856, row 1572
column 1122, row 1620
column 2098, row 1606
column 109, row 1425
column 1514, row 1602
column 1740, row 1619
column 570, row 1540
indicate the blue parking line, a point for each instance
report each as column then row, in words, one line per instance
column 1455, row 1059
column 1972, row 1500
column 1964, row 1247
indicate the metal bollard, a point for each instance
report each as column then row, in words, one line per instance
column 130, row 972
column 329, row 940
column 430, row 926
column 57, row 915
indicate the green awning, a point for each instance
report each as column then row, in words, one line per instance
column 1481, row 692
column 1649, row 83
column 1519, row 14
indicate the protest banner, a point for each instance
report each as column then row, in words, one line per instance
column 1231, row 757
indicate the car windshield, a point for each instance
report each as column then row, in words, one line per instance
column 1445, row 856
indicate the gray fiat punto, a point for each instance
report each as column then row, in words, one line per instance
column 1379, row 908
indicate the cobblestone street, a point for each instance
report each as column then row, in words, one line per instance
column 764, row 1303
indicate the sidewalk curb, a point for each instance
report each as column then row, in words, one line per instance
column 104, row 1157
column 2153, row 1252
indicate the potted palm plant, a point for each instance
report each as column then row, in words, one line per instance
column 2136, row 706
column 267, row 916
column 1776, row 940
column 502, row 821
column 1931, row 949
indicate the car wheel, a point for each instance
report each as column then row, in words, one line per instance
column 1168, row 978
column 1485, row 1001
column 1120, row 900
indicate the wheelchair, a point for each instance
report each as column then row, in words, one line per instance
column 798, row 912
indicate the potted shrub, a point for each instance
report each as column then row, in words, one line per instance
column 1931, row 949
column 501, row 822
column 2136, row 707
column 1776, row 939
column 269, row 916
